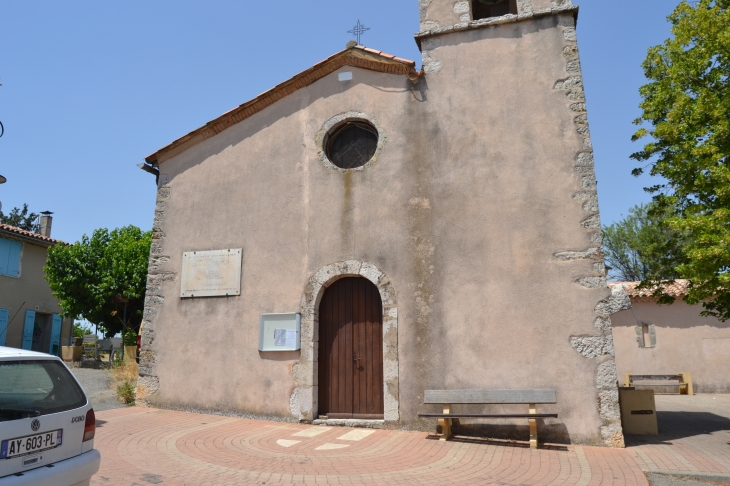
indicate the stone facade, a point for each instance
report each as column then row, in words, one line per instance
column 478, row 214
column 445, row 16
column 158, row 273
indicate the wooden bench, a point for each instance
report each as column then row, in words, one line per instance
column 489, row 397
column 684, row 379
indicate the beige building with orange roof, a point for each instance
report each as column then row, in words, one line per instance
column 366, row 231
column 29, row 313
column 653, row 339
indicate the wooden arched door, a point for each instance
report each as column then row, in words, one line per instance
column 351, row 350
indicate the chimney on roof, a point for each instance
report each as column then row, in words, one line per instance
column 46, row 222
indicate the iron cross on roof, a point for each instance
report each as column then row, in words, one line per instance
column 358, row 31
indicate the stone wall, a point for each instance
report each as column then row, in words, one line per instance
column 481, row 210
column 445, row 16
column 592, row 346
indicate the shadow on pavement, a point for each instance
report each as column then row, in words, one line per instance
column 680, row 425
column 498, row 442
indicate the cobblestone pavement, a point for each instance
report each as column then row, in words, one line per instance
column 142, row 446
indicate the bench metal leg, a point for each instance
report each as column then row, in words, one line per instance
column 533, row 427
column 445, row 423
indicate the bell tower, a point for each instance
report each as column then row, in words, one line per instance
column 505, row 103
column 436, row 14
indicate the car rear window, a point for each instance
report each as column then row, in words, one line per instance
column 33, row 388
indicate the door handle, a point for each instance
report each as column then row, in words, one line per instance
column 355, row 358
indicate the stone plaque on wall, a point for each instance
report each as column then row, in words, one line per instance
column 211, row 273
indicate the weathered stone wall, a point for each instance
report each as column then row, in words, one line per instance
column 481, row 210
column 444, row 16
column 591, row 346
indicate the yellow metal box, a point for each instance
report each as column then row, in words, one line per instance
column 638, row 411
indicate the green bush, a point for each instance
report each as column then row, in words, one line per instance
column 126, row 393
column 130, row 338
column 81, row 331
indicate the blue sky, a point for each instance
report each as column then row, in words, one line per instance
column 90, row 88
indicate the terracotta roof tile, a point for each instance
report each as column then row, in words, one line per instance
column 6, row 228
column 356, row 56
column 678, row 289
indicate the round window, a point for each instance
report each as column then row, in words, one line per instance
column 351, row 144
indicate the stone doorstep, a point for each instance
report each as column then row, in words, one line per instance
column 370, row 424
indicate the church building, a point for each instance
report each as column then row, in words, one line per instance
column 366, row 231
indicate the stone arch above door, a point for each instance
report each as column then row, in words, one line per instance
column 303, row 402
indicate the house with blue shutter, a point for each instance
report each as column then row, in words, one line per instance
column 29, row 313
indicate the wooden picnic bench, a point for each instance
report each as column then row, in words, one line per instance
column 447, row 398
column 684, row 379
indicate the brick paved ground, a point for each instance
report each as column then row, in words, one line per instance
column 147, row 446
column 694, row 436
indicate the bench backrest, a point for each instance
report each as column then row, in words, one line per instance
column 489, row 396
column 656, row 377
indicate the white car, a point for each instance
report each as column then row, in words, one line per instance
column 47, row 424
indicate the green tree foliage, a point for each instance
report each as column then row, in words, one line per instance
column 687, row 104
column 642, row 246
column 89, row 276
column 21, row 218
column 81, row 330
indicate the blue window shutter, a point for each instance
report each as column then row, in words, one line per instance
column 55, row 336
column 4, row 313
column 10, row 257
column 28, row 329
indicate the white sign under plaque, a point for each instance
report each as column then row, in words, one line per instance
column 280, row 332
column 211, row 273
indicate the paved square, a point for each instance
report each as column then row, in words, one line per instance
column 142, row 446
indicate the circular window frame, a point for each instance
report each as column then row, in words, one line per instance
column 335, row 123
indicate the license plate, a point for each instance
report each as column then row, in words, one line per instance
column 29, row 444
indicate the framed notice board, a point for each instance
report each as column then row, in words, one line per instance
column 280, row 332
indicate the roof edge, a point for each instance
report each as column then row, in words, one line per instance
column 679, row 288
column 28, row 236
column 356, row 56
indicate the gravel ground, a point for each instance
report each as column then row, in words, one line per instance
column 97, row 385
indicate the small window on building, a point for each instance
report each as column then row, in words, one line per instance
column 483, row 9
column 351, row 144
column 10, row 257
column 646, row 335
